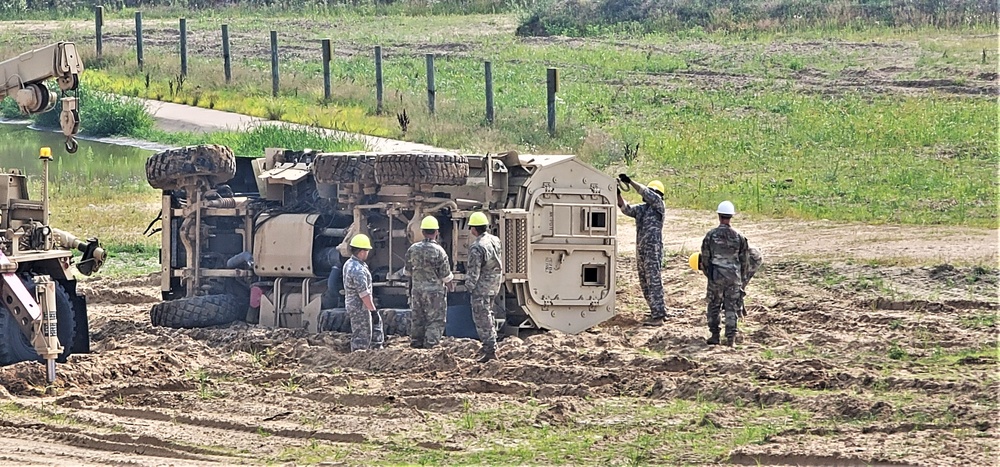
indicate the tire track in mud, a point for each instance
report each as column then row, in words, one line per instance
column 154, row 415
column 121, row 443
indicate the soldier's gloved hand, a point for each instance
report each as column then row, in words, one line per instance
column 624, row 178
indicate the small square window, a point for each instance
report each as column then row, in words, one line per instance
column 594, row 274
column 599, row 219
column 595, row 219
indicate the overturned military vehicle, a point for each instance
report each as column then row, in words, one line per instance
column 257, row 238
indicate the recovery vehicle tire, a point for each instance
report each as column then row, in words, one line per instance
column 15, row 346
column 395, row 322
column 344, row 168
column 176, row 168
column 198, row 312
column 334, row 319
column 421, row 168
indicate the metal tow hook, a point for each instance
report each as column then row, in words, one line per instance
column 71, row 145
column 624, row 186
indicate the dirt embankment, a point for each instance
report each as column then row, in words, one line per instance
column 881, row 364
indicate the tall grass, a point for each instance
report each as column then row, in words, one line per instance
column 587, row 18
column 65, row 9
column 253, row 141
column 102, row 114
column 762, row 119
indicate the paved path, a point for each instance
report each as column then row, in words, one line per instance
column 179, row 117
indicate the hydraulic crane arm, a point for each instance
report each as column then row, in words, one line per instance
column 23, row 77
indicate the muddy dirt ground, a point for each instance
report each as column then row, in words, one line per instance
column 841, row 361
column 863, row 344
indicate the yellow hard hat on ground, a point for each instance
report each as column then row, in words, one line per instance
column 478, row 219
column 693, row 261
column 429, row 223
column 361, row 241
column 656, row 185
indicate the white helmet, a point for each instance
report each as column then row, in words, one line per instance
column 727, row 208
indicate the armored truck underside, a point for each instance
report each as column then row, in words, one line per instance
column 269, row 230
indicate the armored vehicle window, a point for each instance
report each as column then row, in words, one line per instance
column 594, row 274
column 596, row 219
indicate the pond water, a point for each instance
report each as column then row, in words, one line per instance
column 96, row 165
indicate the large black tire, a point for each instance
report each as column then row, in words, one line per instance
column 394, row 322
column 344, row 168
column 14, row 345
column 198, row 312
column 335, row 320
column 176, row 168
column 415, row 169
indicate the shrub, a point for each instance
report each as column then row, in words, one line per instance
column 102, row 114
column 9, row 109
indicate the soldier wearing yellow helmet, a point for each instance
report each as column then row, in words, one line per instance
column 483, row 276
column 429, row 269
column 366, row 323
column 649, row 243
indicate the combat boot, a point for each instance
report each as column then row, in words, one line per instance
column 653, row 322
column 489, row 353
column 714, row 340
column 731, row 341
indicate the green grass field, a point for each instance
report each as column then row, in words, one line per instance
column 874, row 125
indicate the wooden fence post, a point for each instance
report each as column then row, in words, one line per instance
column 98, row 26
column 431, row 89
column 226, row 63
column 274, row 63
column 488, row 68
column 327, row 56
column 184, row 47
column 378, row 79
column 552, row 81
column 138, row 38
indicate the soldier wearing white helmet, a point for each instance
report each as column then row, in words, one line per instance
column 725, row 261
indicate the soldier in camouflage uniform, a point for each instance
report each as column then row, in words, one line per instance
column 366, row 323
column 725, row 261
column 649, row 243
column 429, row 269
column 483, row 275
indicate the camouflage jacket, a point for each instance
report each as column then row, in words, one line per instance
column 484, row 269
column 725, row 255
column 648, row 219
column 427, row 265
column 357, row 283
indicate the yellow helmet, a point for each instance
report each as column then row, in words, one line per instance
column 429, row 223
column 693, row 261
column 361, row 241
column 478, row 219
column 656, row 185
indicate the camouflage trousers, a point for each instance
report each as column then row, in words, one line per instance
column 723, row 296
column 366, row 329
column 427, row 317
column 650, row 262
column 482, row 315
